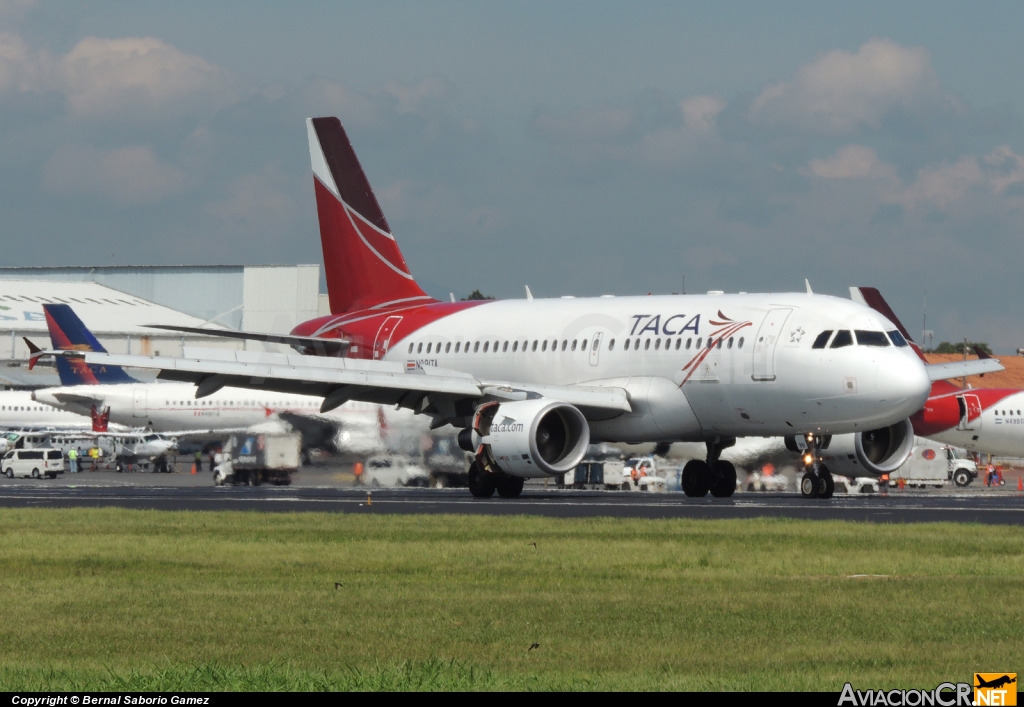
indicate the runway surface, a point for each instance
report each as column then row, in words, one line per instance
column 978, row 507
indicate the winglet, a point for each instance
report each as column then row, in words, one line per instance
column 808, row 283
column 529, row 295
column 35, row 353
column 981, row 352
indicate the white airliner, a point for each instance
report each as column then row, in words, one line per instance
column 533, row 382
column 18, row 410
column 109, row 393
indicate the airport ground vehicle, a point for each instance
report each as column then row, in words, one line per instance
column 257, row 459
column 638, row 474
column 36, row 463
column 857, row 484
column 933, row 464
column 394, row 470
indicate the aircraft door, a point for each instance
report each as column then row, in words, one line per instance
column 764, row 344
column 970, row 412
column 139, row 406
column 595, row 348
column 383, row 341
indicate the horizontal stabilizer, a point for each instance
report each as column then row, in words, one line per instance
column 958, row 369
column 313, row 344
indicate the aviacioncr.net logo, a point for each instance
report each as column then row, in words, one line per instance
column 946, row 694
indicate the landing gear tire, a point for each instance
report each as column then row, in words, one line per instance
column 962, row 478
column 826, row 484
column 510, row 487
column 696, row 480
column 481, row 485
column 119, row 468
column 724, row 484
column 809, row 485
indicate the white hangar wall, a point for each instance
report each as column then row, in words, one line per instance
column 272, row 298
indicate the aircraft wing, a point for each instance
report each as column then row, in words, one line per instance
column 421, row 388
column 319, row 345
column 957, row 369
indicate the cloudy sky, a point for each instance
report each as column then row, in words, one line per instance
column 578, row 147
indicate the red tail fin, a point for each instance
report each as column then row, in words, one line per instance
column 873, row 298
column 363, row 264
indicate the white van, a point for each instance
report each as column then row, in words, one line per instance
column 33, row 462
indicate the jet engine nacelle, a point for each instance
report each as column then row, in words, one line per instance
column 872, row 453
column 528, row 438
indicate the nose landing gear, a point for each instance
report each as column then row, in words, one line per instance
column 817, row 481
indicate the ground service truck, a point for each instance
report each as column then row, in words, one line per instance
column 259, row 458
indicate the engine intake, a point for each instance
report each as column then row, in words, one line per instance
column 885, row 450
column 529, row 438
column 874, row 452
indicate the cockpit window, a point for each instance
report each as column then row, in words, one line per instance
column 843, row 338
column 871, row 338
column 822, row 339
column 897, row 339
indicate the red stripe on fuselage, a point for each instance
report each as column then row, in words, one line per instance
column 942, row 410
column 361, row 328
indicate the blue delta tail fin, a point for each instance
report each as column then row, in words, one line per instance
column 68, row 333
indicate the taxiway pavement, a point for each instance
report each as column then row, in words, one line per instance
column 197, row 493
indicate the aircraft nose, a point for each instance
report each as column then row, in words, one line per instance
column 903, row 379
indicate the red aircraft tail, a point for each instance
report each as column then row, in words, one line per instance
column 873, row 298
column 364, row 267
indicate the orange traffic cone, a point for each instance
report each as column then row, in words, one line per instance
column 193, row 468
column 1020, row 484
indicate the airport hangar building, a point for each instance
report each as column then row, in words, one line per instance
column 116, row 302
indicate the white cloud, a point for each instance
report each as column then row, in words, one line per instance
column 1007, row 168
column 841, row 92
column 21, row 68
column 686, row 131
column 701, row 112
column 125, row 78
column 852, row 161
column 126, row 176
column 941, row 187
column 108, row 77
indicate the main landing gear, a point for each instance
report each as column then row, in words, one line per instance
column 483, row 484
column 715, row 475
column 817, row 481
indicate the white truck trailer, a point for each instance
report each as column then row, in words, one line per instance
column 933, row 464
column 257, row 459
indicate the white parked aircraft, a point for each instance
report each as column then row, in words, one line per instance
column 109, row 393
column 18, row 409
column 533, row 382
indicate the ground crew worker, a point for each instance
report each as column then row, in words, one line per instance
column 94, row 454
column 73, row 460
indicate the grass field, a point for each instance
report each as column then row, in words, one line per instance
column 116, row 599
